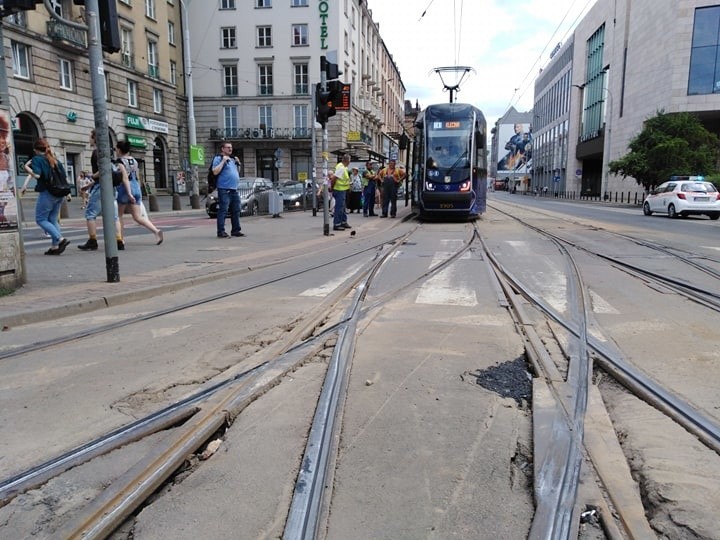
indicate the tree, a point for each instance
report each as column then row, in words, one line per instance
column 669, row 144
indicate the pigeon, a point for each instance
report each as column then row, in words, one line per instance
column 352, row 233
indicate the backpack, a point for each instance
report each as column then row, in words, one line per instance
column 211, row 177
column 117, row 176
column 57, row 184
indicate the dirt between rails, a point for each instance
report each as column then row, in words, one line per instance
column 678, row 476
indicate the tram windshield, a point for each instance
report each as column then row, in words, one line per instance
column 448, row 144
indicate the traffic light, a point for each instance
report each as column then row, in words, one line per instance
column 109, row 28
column 326, row 101
column 8, row 7
column 331, row 70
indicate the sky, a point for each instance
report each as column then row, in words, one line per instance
column 505, row 42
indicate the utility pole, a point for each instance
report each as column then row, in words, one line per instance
column 326, row 201
column 192, row 135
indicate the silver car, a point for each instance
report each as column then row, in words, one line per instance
column 254, row 197
column 684, row 196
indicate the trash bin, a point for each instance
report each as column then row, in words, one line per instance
column 275, row 203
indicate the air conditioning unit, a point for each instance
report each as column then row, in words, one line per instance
column 256, row 133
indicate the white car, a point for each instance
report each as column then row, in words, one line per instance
column 683, row 196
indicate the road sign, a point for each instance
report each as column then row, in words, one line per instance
column 197, row 155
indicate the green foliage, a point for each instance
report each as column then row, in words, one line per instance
column 669, row 144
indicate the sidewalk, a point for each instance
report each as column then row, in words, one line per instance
column 191, row 254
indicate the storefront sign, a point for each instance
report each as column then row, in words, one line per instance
column 137, row 142
column 146, row 124
column 197, row 155
column 324, row 8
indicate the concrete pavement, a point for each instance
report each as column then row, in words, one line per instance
column 191, row 253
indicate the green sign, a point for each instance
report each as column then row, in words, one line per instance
column 197, row 155
column 138, row 142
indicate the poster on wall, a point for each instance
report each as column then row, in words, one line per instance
column 8, row 203
column 515, row 149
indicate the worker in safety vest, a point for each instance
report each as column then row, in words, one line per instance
column 340, row 181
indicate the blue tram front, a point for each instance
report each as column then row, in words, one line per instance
column 451, row 166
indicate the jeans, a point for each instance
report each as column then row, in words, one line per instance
column 369, row 199
column 228, row 199
column 93, row 208
column 389, row 197
column 339, row 215
column 47, row 211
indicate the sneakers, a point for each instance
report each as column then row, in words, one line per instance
column 223, row 235
column 345, row 226
column 62, row 245
column 338, row 228
column 237, row 234
column 90, row 245
column 120, row 245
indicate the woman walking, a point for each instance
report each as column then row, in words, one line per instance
column 129, row 193
column 47, row 207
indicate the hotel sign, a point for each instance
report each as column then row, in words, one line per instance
column 146, row 124
column 324, row 9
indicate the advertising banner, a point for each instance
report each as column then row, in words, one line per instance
column 515, row 149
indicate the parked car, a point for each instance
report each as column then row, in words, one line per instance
column 683, row 196
column 254, row 197
column 296, row 196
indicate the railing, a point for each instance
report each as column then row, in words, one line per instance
column 265, row 90
column 219, row 134
column 154, row 72
column 127, row 59
column 615, row 197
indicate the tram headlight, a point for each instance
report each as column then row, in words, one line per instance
column 465, row 186
column 429, row 186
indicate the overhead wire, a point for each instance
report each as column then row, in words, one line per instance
column 523, row 86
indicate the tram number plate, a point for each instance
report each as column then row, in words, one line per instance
column 446, row 206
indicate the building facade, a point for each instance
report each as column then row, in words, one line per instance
column 511, row 153
column 629, row 60
column 51, row 95
column 255, row 64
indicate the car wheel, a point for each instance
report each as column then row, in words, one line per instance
column 714, row 215
column 646, row 209
column 255, row 209
column 671, row 211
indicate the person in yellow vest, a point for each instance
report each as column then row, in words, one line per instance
column 340, row 185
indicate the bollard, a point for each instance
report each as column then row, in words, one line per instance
column 152, row 201
column 64, row 212
column 195, row 201
column 176, row 202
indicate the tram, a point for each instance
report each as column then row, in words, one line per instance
column 450, row 162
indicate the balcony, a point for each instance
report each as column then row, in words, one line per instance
column 219, row 134
column 127, row 59
column 265, row 90
column 66, row 37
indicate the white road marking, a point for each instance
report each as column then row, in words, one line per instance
column 446, row 287
column 171, row 331
column 330, row 286
column 600, row 305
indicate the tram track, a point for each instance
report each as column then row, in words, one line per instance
column 610, row 360
column 225, row 400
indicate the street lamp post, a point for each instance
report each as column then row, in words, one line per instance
column 607, row 147
column 192, row 136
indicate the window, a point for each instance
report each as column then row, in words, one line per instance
column 126, row 47
column 157, row 101
column 299, row 34
column 704, row 60
column 264, row 36
column 263, row 3
column 126, row 2
column 21, row 60
column 173, row 72
column 228, row 37
column 299, row 3
column 300, row 120
column 132, row 88
column 152, row 59
column 65, row 74
column 150, row 9
column 227, row 4
column 230, row 119
column 301, row 79
column 56, row 6
column 230, row 80
column 345, row 42
column 171, row 33
column 265, row 116
column 265, row 73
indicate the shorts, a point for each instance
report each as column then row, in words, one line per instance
column 122, row 195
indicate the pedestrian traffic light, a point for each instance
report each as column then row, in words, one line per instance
column 109, row 28
column 326, row 100
column 8, row 7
